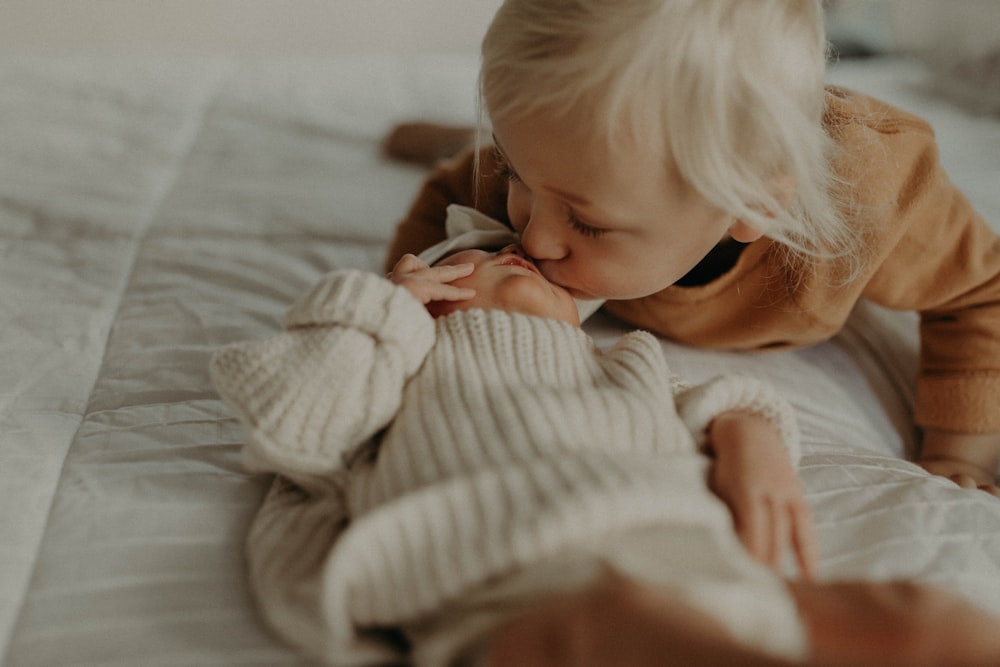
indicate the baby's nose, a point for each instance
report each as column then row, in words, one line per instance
column 513, row 249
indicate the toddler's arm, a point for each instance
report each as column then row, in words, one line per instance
column 426, row 143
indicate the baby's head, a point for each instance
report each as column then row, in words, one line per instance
column 506, row 279
column 723, row 99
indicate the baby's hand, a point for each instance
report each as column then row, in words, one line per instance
column 430, row 283
column 969, row 460
column 755, row 477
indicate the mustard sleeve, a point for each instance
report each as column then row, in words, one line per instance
column 944, row 262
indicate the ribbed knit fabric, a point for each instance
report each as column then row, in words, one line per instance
column 460, row 449
column 312, row 394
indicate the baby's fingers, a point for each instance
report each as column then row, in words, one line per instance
column 781, row 531
column 753, row 526
column 804, row 540
column 770, row 526
column 448, row 272
column 408, row 263
column 452, row 293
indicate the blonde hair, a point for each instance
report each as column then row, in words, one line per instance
column 730, row 90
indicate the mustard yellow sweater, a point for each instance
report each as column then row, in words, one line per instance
column 929, row 251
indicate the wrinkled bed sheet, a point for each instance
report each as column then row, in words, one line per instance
column 152, row 210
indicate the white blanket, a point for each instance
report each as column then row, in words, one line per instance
column 152, row 210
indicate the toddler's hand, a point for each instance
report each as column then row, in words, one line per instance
column 963, row 473
column 969, row 460
column 754, row 476
column 431, row 283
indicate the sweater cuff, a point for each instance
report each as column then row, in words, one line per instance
column 963, row 403
column 701, row 404
column 369, row 303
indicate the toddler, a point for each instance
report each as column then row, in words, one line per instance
column 683, row 160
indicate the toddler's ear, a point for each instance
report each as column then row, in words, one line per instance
column 744, row 232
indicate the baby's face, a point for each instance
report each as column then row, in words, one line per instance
column 508, row 280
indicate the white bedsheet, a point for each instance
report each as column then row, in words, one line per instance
column 152, row 210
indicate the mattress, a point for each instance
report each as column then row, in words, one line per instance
column 154, row 209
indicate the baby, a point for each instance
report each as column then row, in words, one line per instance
column 453, row 450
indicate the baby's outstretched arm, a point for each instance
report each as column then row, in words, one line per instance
column 430, row 283
column 753, row 474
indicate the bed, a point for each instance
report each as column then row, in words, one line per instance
column 153, row 209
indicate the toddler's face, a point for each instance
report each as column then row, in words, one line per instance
column 508, row 280
column 611, row 224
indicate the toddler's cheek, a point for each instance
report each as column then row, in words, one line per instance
column 518, row 209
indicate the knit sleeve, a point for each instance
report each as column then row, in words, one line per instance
column 311, row 395
column 699, row 405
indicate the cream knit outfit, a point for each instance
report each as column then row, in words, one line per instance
column 422, row 461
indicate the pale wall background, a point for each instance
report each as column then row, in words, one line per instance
column 309, row 27
column 255, row 27
column 961, row 27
